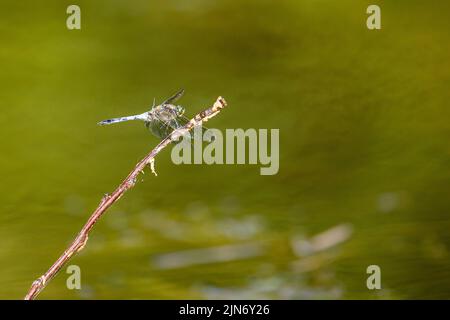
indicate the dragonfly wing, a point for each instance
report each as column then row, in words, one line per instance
column 159, row 129
column 175, row 97
column 162, row 128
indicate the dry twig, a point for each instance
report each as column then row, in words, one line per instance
column 107, row 201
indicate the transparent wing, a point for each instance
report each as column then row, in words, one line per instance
column 175, row 97
column 166, row 127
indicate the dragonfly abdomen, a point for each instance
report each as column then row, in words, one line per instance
column 143, row 116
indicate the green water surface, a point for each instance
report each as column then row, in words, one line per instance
column 364, row 144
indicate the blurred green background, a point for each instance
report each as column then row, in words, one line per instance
column 364, row 149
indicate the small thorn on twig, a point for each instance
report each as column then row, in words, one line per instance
column 152, row 166
column 40, row 281
column 83, row 243
column 105, row 198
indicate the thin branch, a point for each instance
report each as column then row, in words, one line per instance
column 108, row 200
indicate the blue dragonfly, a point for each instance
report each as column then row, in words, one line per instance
column 161, row 119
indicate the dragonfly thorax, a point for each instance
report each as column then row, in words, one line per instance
column 165, row 112
column 164, row 118
column 161, row 120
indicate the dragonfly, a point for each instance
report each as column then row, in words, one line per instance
column 161, row 119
